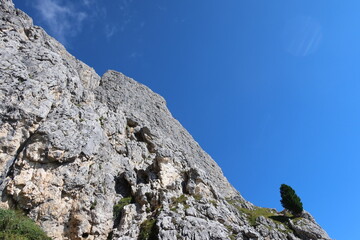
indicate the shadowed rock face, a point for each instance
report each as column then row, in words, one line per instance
column 90, row 157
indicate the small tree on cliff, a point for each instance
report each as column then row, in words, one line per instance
column 290, row 200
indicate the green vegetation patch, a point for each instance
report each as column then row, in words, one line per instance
column 93, row 205
column 148, row 230
column 214, row 203
column 179, row 200
column 235, row 202
column 232, row 236
column 253, row 214
column 16, row 226
column 120, row 205
column 182, row 200
column 197, row 197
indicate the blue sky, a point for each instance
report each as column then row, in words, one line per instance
column 270, row 89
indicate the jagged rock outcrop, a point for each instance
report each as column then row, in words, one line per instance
column 90, row 157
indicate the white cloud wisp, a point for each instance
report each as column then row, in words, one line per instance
column 62, row 20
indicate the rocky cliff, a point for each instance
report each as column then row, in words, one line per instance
column 90, row 157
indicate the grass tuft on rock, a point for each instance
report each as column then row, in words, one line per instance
column 16, row 226
column 120, row 205
column 253, row 214
column 179, row 200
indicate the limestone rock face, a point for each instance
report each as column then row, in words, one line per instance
column 90, row 157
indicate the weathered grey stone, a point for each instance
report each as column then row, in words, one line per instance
column 74, row 145
column 307, row 228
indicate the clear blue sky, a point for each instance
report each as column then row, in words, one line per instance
column 270, row 89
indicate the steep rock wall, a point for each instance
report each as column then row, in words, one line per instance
column 90, row 157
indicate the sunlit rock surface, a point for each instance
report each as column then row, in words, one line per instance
column 90, row 157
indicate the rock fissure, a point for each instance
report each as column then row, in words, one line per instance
column 9, row 166
column 10, row 170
